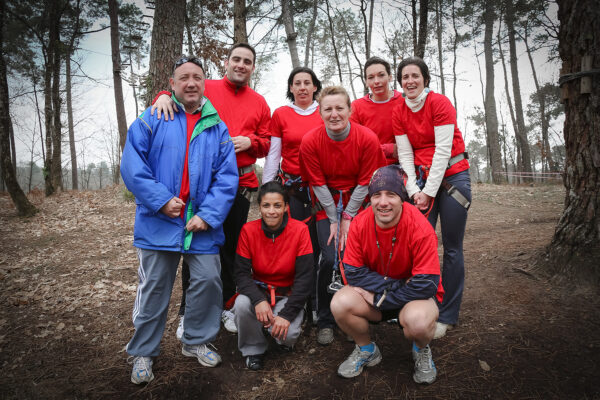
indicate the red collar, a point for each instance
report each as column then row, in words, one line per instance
column 232, row 86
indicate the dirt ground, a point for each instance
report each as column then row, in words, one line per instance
column 68, row 279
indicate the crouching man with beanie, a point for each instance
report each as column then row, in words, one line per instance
column 393, row 271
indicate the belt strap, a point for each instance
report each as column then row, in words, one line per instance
column 245, row 170
column 457, row 158
column 456, row 194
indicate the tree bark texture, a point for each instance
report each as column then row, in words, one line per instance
column 51, row 12
column 287, row 16
column 422, row 37
column 167, row 42
column 514, row 71
column 439, row 25
column 115, row 50
column 56, row 170
column 68, row 83
column 24, row 207
column 575, row 247
column 491, row 116
column 240, row 34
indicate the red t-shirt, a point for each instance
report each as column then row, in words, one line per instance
column 184, row 192
column 291, row 127
column 340, row 165
column 274, row 261
column 378, row 118
column 246, row 113
column 419, row 127
column 415, row 250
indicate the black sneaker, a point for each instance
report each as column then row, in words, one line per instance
column 255, row 362
column 285, row 349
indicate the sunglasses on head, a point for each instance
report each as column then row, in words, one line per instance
column 185, row 59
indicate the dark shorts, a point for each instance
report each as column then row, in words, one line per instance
column 386, row 315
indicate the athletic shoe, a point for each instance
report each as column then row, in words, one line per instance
column 205, row 356
column 354, row 364
column 255, row 362
column 142, row 369
column 228, row 321
column 425, row 371
column 179, row 332
column 325, row 336
column 440, row 329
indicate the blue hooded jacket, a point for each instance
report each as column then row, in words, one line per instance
column 152, row 169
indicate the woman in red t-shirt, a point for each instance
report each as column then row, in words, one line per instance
column 374, row 110
column 289, row 124
column 432, row 152
column 337, row 160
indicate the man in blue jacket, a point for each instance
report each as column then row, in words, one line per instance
column 184, row 177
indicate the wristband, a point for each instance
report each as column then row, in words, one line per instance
column 347, row 216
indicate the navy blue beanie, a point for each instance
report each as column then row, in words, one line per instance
column 390, row 178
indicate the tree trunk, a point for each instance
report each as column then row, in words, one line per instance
column 546, row 151
column 454, row 47
column 70, row 50
column 415, row 31
column 24, row 207
column 509, row 101
column 50, row 9
column 491, row 117
column 188, row 31
column 56, row 171
column 575, row 247
column 309, row 36
column 514, row 71
column 439, row 22
column 240, row 34
column 287, row 16
column 422, row 38
column 333, row 34
column 167, row 41
column 115, row 50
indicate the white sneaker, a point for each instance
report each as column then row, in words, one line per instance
column 142, row 369
column 227, row 317
column 440, row 329
column 179, row 332
column 205, row 356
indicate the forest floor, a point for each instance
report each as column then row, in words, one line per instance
column 69, row 275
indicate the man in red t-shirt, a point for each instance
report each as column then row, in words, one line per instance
column 393, row 271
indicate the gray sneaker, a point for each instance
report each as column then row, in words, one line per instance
column 355, row 363
column 425, row 371
column 325, row 336
column 205, row 356
column 142, row 369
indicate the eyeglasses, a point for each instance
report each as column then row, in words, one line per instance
column 185, row 59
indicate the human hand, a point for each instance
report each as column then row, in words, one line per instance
column 164, row 104
column 264, row 314
column 345, row 227
column 368, row 296
column 332, row 233
column 422, row 201
column 280, row 328
column 196, row 224
column 241, row 143
column 173, row 207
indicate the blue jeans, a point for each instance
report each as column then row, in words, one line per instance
column 453, row 220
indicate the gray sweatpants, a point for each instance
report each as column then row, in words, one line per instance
column 251, row 339
column 156, row 273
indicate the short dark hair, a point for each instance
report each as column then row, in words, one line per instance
column 419, row 63
column 313, row 76
column 245, row 46
column 273, row 187
column 185, row 59
column 378, row 60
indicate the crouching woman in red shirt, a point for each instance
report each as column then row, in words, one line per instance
column 273, row 274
